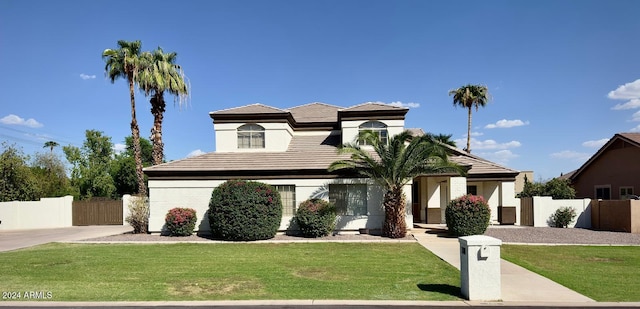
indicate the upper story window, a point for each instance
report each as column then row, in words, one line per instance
column 250, row 136
column 375, row 126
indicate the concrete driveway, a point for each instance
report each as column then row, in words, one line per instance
column 17, row 239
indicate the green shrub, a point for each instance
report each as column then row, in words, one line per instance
column 468, row 215
column 316, row 218
column 181, row 221
column 562, row 217
column 138, row 216
column 244, row 210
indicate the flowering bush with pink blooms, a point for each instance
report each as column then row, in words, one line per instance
column 181, row 221
column 468, row 215
column 316, row 218
column 244, row 210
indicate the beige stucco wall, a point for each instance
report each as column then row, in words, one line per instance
column 167, row 194
column 350, row 128
column 277, row 137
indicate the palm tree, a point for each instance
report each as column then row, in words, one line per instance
column 469, row 96
column 160, row 73
column 124, row 62
column 50, row 145
column 392, row 165
column 443, row 138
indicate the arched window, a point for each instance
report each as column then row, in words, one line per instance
column 250, row 136
column 375, row 126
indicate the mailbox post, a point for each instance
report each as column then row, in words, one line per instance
column 480, row 267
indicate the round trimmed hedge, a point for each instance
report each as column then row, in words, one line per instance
column 316, row 218
column 181, row 221
column 467, row 215
column 244, row 210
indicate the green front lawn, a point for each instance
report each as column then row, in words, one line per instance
column 603, row 273
column 128, row 272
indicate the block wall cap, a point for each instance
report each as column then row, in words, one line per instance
column 479, row 240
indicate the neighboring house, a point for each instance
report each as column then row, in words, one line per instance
column 612, row 173
column 291, row 149
column 523, row 177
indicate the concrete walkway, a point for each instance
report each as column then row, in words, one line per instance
column 518, row 284
column 18, row 239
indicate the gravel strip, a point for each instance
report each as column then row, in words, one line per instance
column 128, row 237
column 508, row 234
column 550, row 235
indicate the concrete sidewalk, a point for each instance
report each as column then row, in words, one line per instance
column 518, row 284
column 18, row 239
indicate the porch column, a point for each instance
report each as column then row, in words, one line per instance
column 508, row 197
column 457, row 187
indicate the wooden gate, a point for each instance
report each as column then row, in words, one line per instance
column 97, row 211
column 526, row 211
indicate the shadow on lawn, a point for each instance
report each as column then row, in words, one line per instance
column 441, row 288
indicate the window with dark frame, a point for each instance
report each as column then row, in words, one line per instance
column 375, row 126
column 288, row 198
column 250, row 136
column 603, row 193
column 349, row 199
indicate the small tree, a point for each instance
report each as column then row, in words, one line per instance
column 17, row 182
column 556, row 188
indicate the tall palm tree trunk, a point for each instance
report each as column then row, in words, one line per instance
column 394, row 225
column 135, row 132
column 157, row 109
column 468, row 149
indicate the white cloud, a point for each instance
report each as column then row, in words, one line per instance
column 119, row 148
column 636, row 129
column 571, row 155
column 629, row 91
column 633, row 103
column 17, row 120
column 488, row 144
column 595, row 144
column 196, row 152
column 406, row 105
column 501, row 157
column 85, row 76
column 476, row 134
column 626, row 92
column 636, row 116
column 504, row 123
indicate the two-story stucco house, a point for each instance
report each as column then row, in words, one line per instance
column 291, row 150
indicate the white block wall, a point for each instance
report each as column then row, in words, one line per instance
column 45, row 213
column 545, row 206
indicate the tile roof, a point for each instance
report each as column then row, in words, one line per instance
column 633, row 137
column 256, row 108
column 305, row 153
column 315, row 112
column 373, row 106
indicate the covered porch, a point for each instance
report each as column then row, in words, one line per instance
column 431, row 194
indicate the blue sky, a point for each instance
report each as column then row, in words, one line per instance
column 564, row 75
